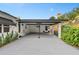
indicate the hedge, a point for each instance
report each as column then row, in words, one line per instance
column 70, row 35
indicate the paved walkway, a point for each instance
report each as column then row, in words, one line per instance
column 32, row 45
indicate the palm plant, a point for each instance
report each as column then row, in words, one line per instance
column 76, row 10
column 71, row 15
column 62, row 17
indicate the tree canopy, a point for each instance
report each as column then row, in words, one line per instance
column 72, row 15
column 52, row 18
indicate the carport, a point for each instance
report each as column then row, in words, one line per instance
column 40, row 22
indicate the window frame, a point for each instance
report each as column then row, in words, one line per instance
column 6, row 28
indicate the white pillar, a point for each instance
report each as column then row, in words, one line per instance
column 2, row 33
column 53, row 29
column 2, row 29
column 50, row 30
column 59, row 30
column 17, row 27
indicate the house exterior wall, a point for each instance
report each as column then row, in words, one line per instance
column 33, row 28
column 25, row 29
column 11, row 27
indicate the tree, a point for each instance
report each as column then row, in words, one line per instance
column 52, row 18
column 71, row 15
column 76, row 10
column 62, row 17
column 77, row 18
column 74, row 13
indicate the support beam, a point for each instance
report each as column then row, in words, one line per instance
column 18, row 27
column 52, row 29
column 39, row 31
column 2, row 29
column 59, row 30
column 2, row 32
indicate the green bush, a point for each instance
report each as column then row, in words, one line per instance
column 70, row 35
column 0, row 41
column 14, row 37
column 8, row 38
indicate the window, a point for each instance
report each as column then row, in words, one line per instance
column 46, row 28
column 0, row 28
column 22, row 24
column 6, row 28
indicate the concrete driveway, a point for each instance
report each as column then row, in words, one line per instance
column 32, row 45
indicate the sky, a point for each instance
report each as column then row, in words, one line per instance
column 37, row 10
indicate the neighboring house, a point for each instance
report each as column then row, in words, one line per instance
column 9, row 23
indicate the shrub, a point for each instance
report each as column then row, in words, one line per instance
column 0, row 41
column 14, row 37
column 8, row 38
column 70, row 35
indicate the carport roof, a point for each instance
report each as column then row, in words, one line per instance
column 6, row 21
column 39, row 21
